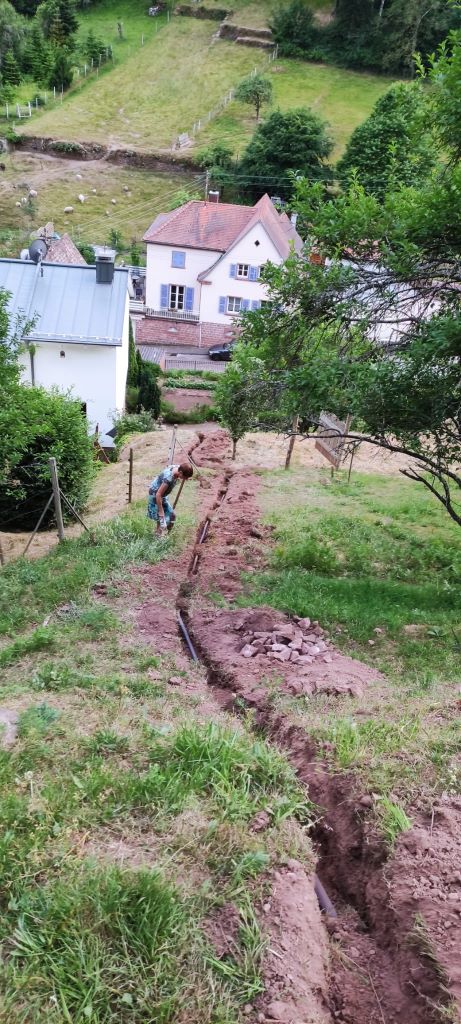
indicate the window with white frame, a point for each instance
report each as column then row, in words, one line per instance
column 177, row 296
column 243, row 270
column 234, row 304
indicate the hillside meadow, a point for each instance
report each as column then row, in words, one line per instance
column 160, row 89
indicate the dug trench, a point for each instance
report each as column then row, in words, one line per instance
column 388, row 952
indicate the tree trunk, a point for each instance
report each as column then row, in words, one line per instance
column 234, row 448
column 291, row 443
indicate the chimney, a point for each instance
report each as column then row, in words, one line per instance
column 294, row 219
column 213, row 197
column 104, row 269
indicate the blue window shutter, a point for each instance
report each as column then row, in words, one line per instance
column 233, row 270
column 245, row 304
column 253, row 273
column 189, row 300
column 222, row 304
column 256, row 304
column 178, row 259
column 163, row 296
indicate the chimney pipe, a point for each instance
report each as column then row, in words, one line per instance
column 104, row 269
column 213, row 197
column 294, row 219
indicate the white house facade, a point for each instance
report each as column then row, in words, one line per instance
column 79, row 339
column 203, row 269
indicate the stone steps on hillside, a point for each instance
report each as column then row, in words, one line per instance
column 262, row 44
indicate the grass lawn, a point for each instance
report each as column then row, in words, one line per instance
column 58, row 186
column 378, row 563
column 344, row 98
column 156, row 93
column 126, row 815
column 150, row 95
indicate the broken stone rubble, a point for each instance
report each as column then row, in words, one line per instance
column 301, row 642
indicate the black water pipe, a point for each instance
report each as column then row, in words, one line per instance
column 186, row 636
column 324, row 900
column 204, row 531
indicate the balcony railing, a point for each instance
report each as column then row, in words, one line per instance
column 173, row 314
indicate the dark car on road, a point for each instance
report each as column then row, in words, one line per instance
column 221, row 352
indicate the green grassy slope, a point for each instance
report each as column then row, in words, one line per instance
column 344, row 98
column 58, row 186
column 158, row 90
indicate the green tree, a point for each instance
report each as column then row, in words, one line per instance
column 13, row 30
column 217, row 155
column 149, row 391
column 58, row 20
column 444, row 74
column 133, row 365
column 10, row 71
column 231, row 398
column 394, row 145
column 26, row 7
column 254, row 90
column 294, row 29
column 38, row 57
column 329, row 337
column 414, row 25
column 87, row 252
column 94, row 49
column 61, row 74
column 293, row 141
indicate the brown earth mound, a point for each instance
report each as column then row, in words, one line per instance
column 251, row 667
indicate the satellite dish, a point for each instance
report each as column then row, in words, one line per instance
column 38, row 250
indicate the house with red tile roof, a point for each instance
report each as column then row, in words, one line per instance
column 203, row 269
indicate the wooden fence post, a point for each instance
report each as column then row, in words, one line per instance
column 172, row 445
column 56, row 498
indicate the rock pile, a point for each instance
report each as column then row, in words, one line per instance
column 300, row 642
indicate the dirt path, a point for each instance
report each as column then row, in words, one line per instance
column 390, row 954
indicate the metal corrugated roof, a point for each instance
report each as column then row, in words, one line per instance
column 66, row 301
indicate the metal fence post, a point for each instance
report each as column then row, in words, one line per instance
column 56, row 498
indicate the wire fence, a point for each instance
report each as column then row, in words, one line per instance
column 187, row 137
column 53, row 514
column 83, row 71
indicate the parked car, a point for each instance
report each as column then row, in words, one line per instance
column 221, row 352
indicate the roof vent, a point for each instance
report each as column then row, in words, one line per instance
column 213, row 197
column 104, row 269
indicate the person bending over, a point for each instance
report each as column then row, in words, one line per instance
column 158, row 507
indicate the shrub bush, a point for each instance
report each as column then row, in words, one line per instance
column 200, row 414
column 35, row 425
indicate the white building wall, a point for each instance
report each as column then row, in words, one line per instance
column 223, row 285
column 121, row 361
column 160, row 271
column 89, row 372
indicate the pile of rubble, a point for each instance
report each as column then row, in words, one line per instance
column 301, row 642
